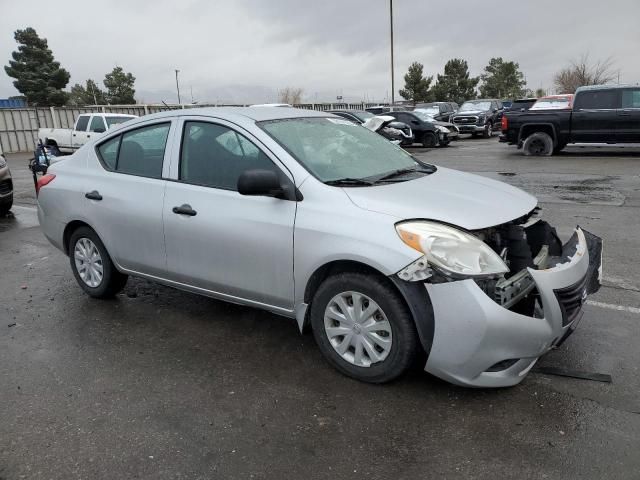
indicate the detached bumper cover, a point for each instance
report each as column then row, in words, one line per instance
column 478, row 343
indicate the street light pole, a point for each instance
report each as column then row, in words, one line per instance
column 391, row 23
column 178, row 86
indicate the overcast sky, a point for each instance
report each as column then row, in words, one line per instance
column 245, row 50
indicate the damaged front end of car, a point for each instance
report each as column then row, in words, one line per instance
column 501, row 296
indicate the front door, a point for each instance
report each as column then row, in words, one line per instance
column 79, row 132
column 216, row 239
column 629, row 116
column 595, row 116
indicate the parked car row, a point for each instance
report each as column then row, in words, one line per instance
column 603, row 114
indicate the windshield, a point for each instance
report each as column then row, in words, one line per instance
column 334, row 149
column 475, row 106
column 430, row 110
column 424, row 115
column 111, row 121
column 363, row 116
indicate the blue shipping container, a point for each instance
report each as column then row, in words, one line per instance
column 12, row 103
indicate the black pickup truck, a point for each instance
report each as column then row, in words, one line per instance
column 600, row 114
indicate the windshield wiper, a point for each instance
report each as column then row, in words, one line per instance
column 402, row 171
column 348, row 181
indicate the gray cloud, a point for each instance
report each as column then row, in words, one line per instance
column 247, row 49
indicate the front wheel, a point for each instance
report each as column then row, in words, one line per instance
column 488, row 131
column 92, row 266
column 5, row 207
column 429, row 140
column 363, row 327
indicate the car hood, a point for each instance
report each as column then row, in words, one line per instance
column 468, row 201
column 470, row 112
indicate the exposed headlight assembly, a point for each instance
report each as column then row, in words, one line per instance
column 450, row 249
column 442, row 129
column 3, row 162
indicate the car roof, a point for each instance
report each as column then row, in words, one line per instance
column 252, row 113
column 605, row 87
column 353, row 110
column 111, row 114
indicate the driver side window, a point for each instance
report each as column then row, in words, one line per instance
column 215, row 156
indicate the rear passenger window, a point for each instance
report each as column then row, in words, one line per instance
column 108, row 152
column 97, row 124
column 215, row 156
column 596, row 99
column 137, row 152
column 631, row 98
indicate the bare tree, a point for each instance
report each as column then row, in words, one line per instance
column 582, row 72
column 291, row 95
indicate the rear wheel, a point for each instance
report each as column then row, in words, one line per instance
column 538, row 144
column 429, row 140
column 5, row 207
column 92, row 266
column 363, row 327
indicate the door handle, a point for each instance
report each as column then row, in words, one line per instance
column 185, row 209
column 94, row 195
column 74, row 134
column 624, row 114
column 88, row 136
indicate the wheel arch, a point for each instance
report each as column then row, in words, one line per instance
column 68, row 231
column 530, row 128
column 414, row 294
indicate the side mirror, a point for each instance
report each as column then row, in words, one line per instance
column 99, row 130
column 260, row 183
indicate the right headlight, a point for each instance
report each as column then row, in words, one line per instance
column 451, row 249
column 3, row 162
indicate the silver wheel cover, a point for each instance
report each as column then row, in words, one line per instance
column 88, row 262
column 357, row 329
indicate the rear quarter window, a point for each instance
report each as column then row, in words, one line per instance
column 596, row 100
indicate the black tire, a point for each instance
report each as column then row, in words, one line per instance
column 488, row 131
column 429, row 140
column 112, row 280
column 6, row 206
column 405, row 343
column 538, row 144
column 444, row 144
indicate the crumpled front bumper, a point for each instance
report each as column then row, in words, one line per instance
column 474, row 337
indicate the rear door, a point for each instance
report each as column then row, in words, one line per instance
column 595, row 116
column 125, row 199
column 629, row 116
column 235, row 245
column 97, row 127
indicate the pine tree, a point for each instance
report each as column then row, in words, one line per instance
column 416, row 87
column 502, row 80
column 88, row 94
column 119, row 85
column 455, row 85
column 38, row 76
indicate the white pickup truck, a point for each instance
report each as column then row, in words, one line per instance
column 87, row 126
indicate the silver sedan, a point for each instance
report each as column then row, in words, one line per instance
column 307, row 215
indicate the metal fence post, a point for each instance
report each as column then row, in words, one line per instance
column 53, row 117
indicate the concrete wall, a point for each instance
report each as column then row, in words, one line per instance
column 19, row 126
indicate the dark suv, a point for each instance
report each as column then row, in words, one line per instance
column 479, row 116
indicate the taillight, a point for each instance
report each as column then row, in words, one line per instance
column 504, row 123
column 44, row 180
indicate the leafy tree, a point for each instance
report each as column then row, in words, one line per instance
column 291, row 95
column 455, row 85
column 119, row 85
column 540, row 92
column 502, row 80
column 582, row 72
column 89, row 94
column 416, row 87
column 38, row 76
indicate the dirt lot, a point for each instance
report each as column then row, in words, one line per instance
column 164, row 384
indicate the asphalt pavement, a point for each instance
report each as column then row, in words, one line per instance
column 163, row 384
